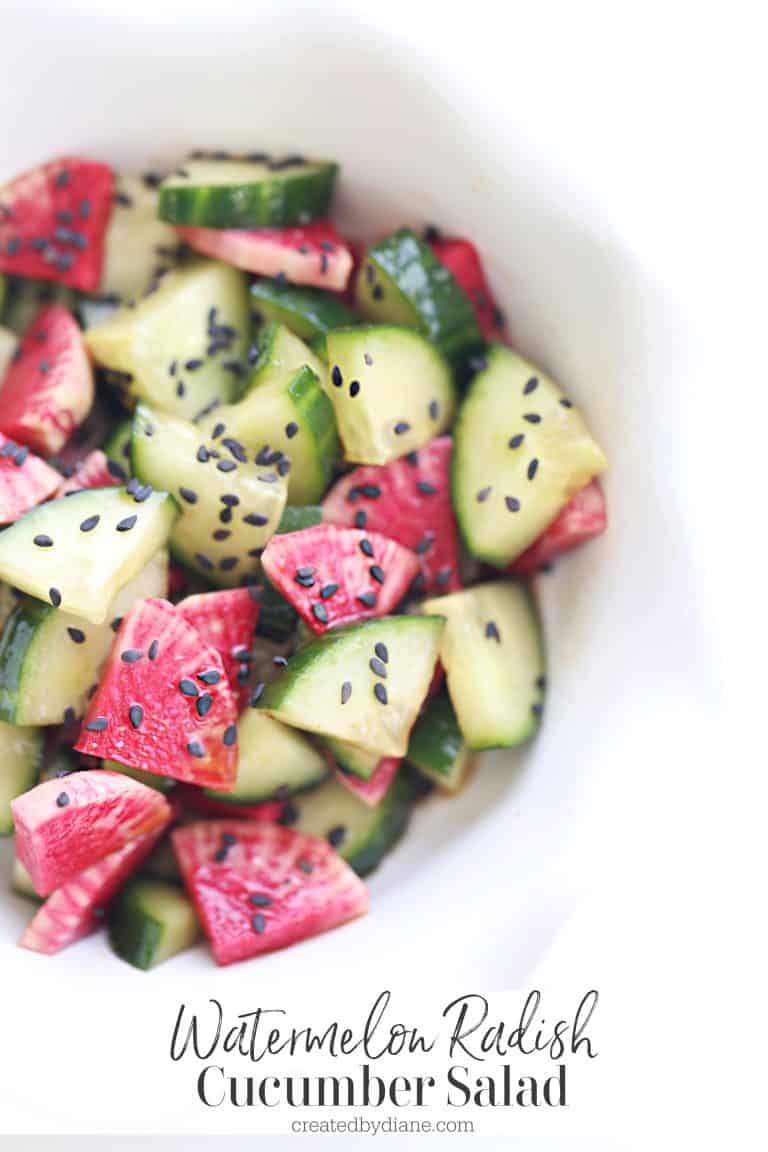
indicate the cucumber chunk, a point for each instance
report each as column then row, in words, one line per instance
column 493, row 656
column 151, row 922
column 274, row 761
column 401, row 281
column 229, row 509
column 242, row 194
column 360, row 834
column 117, row 446
column 138, row 246
column 50, row 660
column 286, row 411
column 277, row 618
column 437, row 747
column 183, row 346
column 391, row 389
column 521, row 451
column 280, row 355
column 101, row 538
column 329, row 686
column 352, row 759
column 21, row 757
column 308, row 312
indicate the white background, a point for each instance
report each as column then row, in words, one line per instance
column 653, row 114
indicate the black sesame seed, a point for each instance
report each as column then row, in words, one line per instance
column 126, row 524
column 537, row 709
column 260, row 900
column 230, row 735
column 336, row 835
column 217, row 431
column 434, row 409
column 195, row 748
column 531, row 386
column 226, row 465
column 366, row 547
column 284, row 467
column 21, row 456
column 142, row 493
column 230, row 499
column 77, row 635
column 372, row 491
column 305, row 581
column 225, row 516
column 401, row 428
column 203, row 704
column 516, row 441
column 235, row 448
column 69, row 717
column 204, row 561
column 227, row 563
column 259, row 923
column 221, row 854
column 291, row 429
column 377, row 667
column 189, row 495
column 306, row 866
column 62, row 800
column 211, row 676
column 533, row 468
column 443, row 576
column 377, row 292
column 328, row 590
column 512, row 503
column 194, row 364
column 97, row 725
column 229, row 839
column 320, row 612
column 305, row 570
column 541, row 682
column 54, row 596
column 377, row 572
column 256, row 519
column 346, row 691
column 492, row 631
column 361, row 518
column 131, row 655
column 336, row 376
column 566, row 403
column 257, row 694
column 382, row 652
column 380, row 693
column 367, row 599
column 222, row 534
column 43, row 541
column 426, row 488
column 188, row 687
column 483, row 494
column 354, row 388
column 153, row 649
column 532, row 417
column 115, row 470
column 136, row 715
column 203, row 454
column 412, row 458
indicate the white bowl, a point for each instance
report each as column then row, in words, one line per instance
column 478, row 887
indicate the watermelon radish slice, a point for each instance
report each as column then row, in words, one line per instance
column 77, row 908
column 409, row 500
column 53, row 220
column 260, row 887
column 48, row 388
column 227, row 621
column 64, row 826
column 373, row 790
column 25, row 480
column 93, row 471
column 194, row 800
column 315, row 254
column 335, row 576
column 582, row 518
column 462, row 259
column 164, row 704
